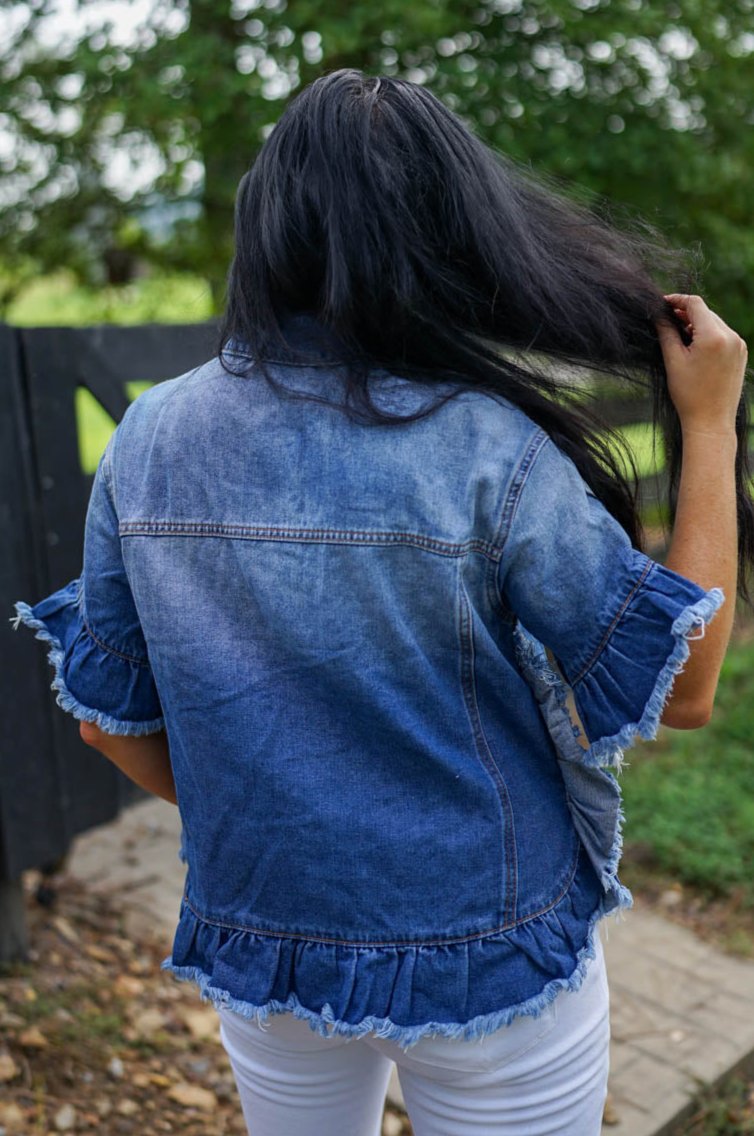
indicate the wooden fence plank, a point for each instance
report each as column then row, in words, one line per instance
column 32, row 826
column 53, row 787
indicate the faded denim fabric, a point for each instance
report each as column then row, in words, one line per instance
column 390, row 823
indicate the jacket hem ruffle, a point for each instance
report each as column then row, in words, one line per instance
column 326, row 1022
column 64, row 698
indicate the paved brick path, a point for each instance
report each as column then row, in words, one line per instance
column 682, row 1012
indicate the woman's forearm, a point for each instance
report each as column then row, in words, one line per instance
column 145, row 760
column 705, row 375
column 704, row 548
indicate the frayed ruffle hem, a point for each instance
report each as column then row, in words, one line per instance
column 474, row 986
column 86, row 672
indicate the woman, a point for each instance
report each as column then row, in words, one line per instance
column 320, row 575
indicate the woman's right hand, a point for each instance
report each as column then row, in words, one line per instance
column 705, row 379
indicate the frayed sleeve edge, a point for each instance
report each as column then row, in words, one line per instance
column 65, row 699
column 694, row 618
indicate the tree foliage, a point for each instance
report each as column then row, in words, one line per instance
column 124, row 139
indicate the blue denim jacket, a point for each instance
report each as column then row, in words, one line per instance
column 389, row 819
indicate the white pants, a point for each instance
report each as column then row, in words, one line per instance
column 544, row 1076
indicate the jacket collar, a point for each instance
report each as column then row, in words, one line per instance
column 305, row 341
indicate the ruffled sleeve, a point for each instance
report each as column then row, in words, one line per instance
column 617, row 623
column 91, row 626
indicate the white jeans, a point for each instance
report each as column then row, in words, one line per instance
column 544, row 1076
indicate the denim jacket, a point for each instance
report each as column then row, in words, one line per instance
column 390, row 821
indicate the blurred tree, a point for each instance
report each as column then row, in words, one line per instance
column 125, row 140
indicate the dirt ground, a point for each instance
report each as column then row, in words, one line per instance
column 94, row 1037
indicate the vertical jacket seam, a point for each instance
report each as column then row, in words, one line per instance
column 508, row 514
column 509, row 897
column 107, row 473
column 516, row 488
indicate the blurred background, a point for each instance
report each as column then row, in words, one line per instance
column 125, row 126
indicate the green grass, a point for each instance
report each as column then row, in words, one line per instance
column 648, row 452
column 57, row 300
column 689, row 796
column 94, row 424
column 727, row 1110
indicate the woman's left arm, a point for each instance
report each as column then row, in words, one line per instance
column 144, row 759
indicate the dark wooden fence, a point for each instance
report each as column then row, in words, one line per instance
column 52, row 787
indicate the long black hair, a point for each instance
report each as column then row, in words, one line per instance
column 429, row 255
